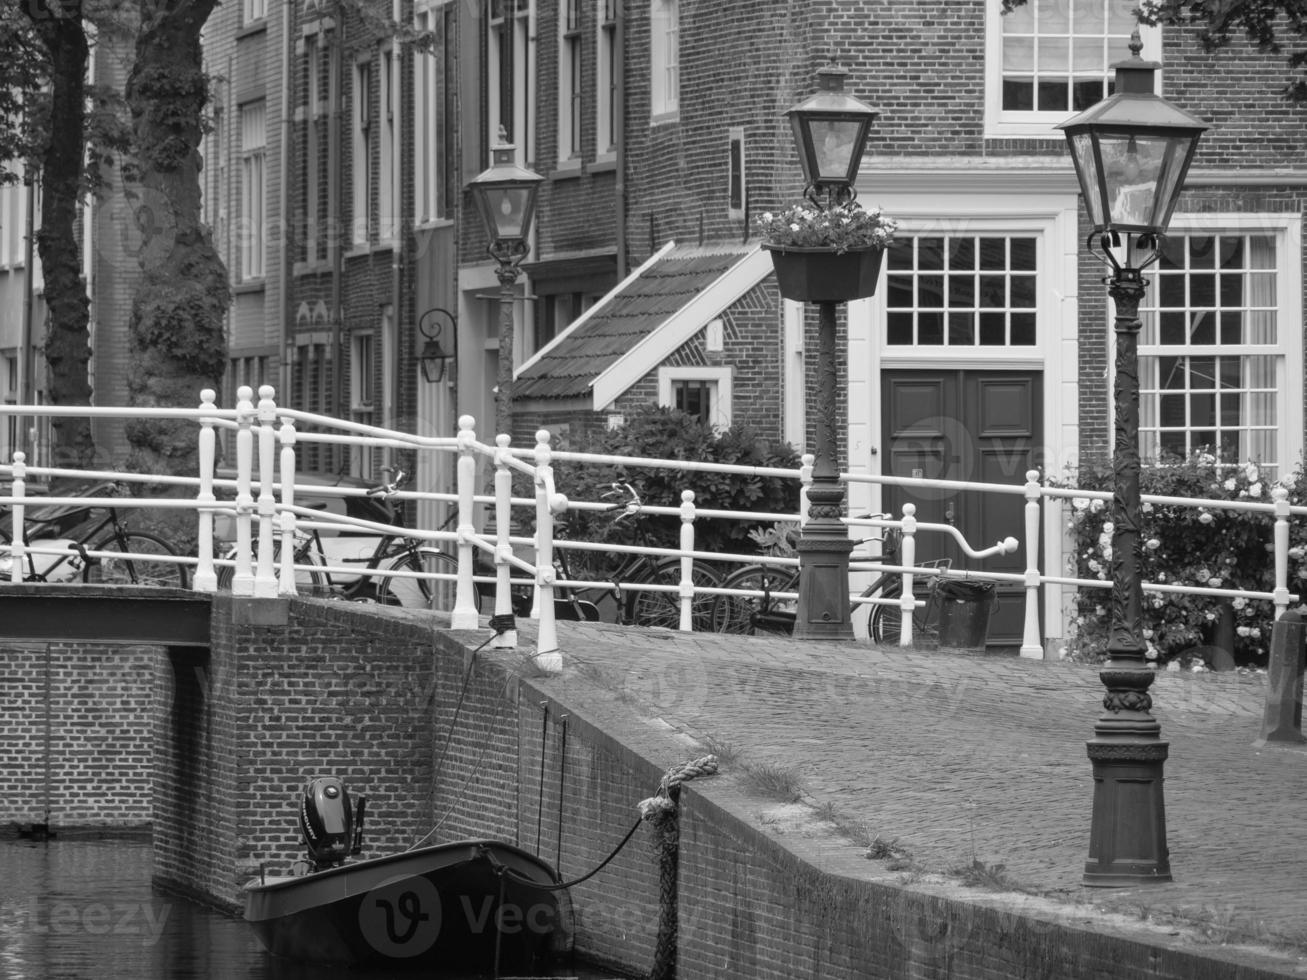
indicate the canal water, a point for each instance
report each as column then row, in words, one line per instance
column 84, row 909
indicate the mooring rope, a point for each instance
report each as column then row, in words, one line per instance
column 662, row 810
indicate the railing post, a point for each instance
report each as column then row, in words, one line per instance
column 464, row 614
column 18, row 549
column 265, row 579
column 1281, row 537
column 547, row 655
column 687, row 562
column 908, row 556
column 242, row 582
column 503, row 542
column 206, row 579
column 806, row 462
column 1031, row 644
column 286, row 584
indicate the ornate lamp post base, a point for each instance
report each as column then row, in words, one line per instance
column 1127, row 837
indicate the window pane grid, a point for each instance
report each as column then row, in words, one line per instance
column 1212, row 353
column 1056, row 54
column 962, row 291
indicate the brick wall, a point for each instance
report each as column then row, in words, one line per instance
column 96, row 765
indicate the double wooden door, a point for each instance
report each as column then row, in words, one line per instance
column 982, row 426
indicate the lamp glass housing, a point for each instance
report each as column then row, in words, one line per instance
column 1131, row 178
column 505, row 194
column 830, row 130
column 433, row 360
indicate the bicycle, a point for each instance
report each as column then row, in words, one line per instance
column 639, row 606
column 774, row 608
column 380, row 555
column 98, row 550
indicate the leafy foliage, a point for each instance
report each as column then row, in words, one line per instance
column 662, row 433
column 1194, row 546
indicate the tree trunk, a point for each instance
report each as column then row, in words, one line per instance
column 175, row 334
column 67, row 342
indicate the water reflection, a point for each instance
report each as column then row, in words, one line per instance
column 85, row 910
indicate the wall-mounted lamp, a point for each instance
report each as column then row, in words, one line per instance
column 433, row 358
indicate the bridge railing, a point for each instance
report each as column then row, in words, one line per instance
column 265, row 439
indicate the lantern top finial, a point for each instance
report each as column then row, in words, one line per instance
column 830, row 78
column 1134, row 74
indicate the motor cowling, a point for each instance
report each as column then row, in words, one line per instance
column 326, row 822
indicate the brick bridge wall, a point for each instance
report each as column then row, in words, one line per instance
column 85, row 760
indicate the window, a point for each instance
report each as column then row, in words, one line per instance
column 1214, row 349
column 13, row 427
column 13, row 219
column 664, row 58
column 362, row 152
column 510, row 87
column 569, row 89
column 735, row 172
column 254, row 10
column 433, row 137
column 362, row 393
column 315, row 68
column 1049, row 59
column 253, row 203
column 244, row 370
column 704, row 392
column 961, row 291
column 606, row 80
column 388, row 229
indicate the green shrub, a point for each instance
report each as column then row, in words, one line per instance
column 662, row 433
column 1193, row 546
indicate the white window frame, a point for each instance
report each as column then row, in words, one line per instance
column 387, row 206
column 254, row 10
column 254, row 214
column 570, row 83
column 316, row 111
column 664, row 60
column 361, row 129
column 720, row 396
column 1035, row 124
column 520, row 21
column 1287, row 232
column 606, row 80
column 429, row 100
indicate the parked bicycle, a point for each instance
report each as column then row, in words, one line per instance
column 91, row 543
column 318, row 559
column 771, row 605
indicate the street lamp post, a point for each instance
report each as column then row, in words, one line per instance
column 1131, row 153
column 831, row 130
column 505, row 195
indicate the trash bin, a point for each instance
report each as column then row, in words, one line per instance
column 964, row 608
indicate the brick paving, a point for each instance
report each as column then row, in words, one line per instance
column 970, row 757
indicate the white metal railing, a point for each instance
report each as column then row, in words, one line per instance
column 264, row 510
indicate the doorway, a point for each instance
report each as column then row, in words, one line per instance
column 981, row 426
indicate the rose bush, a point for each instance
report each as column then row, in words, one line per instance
column 1197, row 546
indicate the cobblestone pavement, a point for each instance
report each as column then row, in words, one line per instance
column 966, row 758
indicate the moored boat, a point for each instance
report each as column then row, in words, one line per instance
column 474, row 905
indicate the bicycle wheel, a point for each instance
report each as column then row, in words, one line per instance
column 119, row 569
column 887, row 621
column 754, row 614
column 662, row 608
column 415, row 593
column 308, row 581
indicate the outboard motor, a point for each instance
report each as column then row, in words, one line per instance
column 326, row 822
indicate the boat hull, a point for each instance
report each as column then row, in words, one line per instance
column 449, row 907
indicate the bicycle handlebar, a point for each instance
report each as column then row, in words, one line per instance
column 386, row 489
column 632, row 504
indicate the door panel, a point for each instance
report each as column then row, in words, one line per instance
column 977, row 426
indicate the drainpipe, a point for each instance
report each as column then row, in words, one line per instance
column 283, row 207
column 619, row 149
column 335, row 195
column 396, row 228
column 25, row 360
